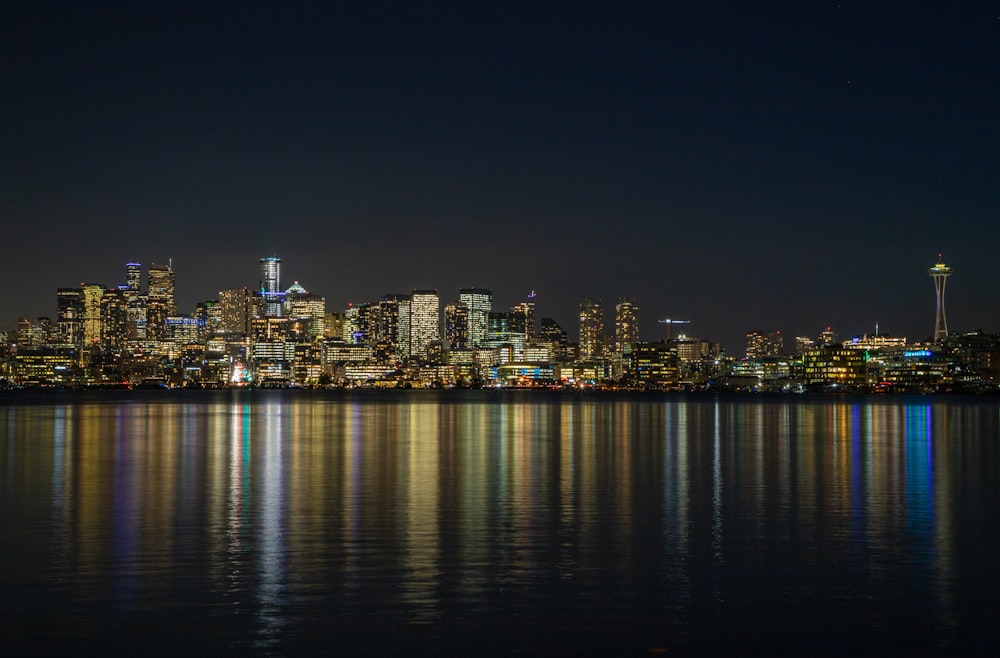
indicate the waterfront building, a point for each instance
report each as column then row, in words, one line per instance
column 654, row 364
column 425, row 321
column 840, row 367
column 44, row 366
column 339, row 353
column 271, row 350
column 479, row 302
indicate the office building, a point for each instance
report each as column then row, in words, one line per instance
column 394, row 324
column 425, row 321
column 760, row 345
column 591, row 328
column 160, row 303
column 456, row 325
column 236, row 311
column 69, row 316
column 269, row 286
column 92, row 294
column 626, row 324
column 479, row 302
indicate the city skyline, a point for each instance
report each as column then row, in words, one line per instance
column 478, row 302
column 786, row 167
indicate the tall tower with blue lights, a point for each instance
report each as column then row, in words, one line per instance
column 270, row 286
column 940, row 273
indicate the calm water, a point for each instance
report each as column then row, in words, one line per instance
column 479, row 523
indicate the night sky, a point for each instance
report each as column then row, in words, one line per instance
column 786, row 167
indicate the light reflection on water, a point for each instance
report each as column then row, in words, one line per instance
column 272, row 522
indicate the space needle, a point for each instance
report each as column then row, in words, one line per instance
column 940, row 273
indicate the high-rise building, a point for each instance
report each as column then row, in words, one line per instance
column 425, row 321
column 135, row 301
column 456, row 325
column 114, row 319
column 160, row 302
column 804, row 344
column 553, row 331
column 940, row 273
column 761, row 345
column 591, row 328
column 92, row 294
column 236, row 311
column 626, row 324
column 270, row 286
column 479, row 301
column 69, row 315
column 367, row 323
column 497, row 329
column 521, row 319
column 350, row 326
column 394, row 324
column 133, row 276
column 306, row 311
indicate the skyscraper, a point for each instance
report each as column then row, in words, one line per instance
column 236, row 311
column 270, row 285
column 521, row 319
column 425, row 321
column 69, row 315
column 135, row 302
column 306, row 311
column 92, row 294
column 160, row 302
column 394, row 324
column 626, row 324
column 456, row 325
column 591, row 328
column 940, row 273
column 479, row 301
column 133, row 276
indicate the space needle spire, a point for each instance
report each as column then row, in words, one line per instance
column 940, row 273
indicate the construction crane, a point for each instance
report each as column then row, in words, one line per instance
column 670, row 325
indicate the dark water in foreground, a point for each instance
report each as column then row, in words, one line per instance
column 478, row 523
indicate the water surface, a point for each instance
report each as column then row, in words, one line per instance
column 277, row 522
